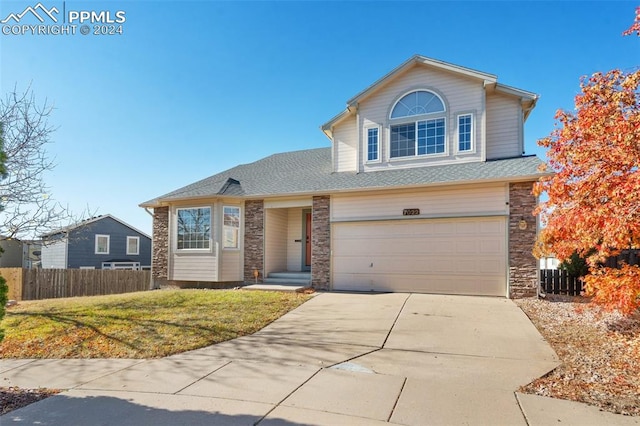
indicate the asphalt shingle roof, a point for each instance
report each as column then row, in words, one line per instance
column 309, row 171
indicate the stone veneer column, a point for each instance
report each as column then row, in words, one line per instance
column 321, row 244
column 253, row 239
column 523, row 266
column 160, row 244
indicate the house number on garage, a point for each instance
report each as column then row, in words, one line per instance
column 410, row 212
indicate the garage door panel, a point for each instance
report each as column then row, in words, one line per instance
column 453, row 256
column 411, row 283
column 383, row 247
column 384, row 265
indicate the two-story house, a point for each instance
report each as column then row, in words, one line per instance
column 102, row 242
column 425, row 188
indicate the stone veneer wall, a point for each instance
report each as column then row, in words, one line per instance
column 160, row 246
column 253, row 239
column 321, row 244
column 523, row 266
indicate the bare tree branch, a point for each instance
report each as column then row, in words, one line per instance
column 26, row 206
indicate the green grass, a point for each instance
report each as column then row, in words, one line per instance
column 138, row 325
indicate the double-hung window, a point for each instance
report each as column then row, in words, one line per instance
column 133, row 246
column 373, row 144
column 465, row 132
column 102, row 244
column 418, row 125
column 193, row 228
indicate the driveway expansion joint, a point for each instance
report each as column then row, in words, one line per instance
column 397, row 400
column 352, row 358
column 202, row 378
column 287, row 396
column 107, row 374
column 396, row 319
column 524, row 415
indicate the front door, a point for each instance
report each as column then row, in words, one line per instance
column 306, row 262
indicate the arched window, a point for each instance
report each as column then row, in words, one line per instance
column 417, row 103
column 420, row 136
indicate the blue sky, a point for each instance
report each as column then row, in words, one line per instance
column 193, row 88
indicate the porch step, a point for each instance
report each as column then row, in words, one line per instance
column 291, row 275
column 289, row 278
column 275, row 287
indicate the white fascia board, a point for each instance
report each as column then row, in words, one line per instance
column 327, row 128
column 419, row 59
column 503, row 88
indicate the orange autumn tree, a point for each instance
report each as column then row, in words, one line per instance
column 594, row 196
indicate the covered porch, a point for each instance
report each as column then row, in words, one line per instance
column 288, row 242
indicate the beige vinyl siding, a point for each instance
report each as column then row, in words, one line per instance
column 345, row 145
column 460, row 94
column 275, row 240
column 230, row 267
column 504, row 126
column 294, row 232
column 54, row 256
column 285, row 203
column 195, row 267
column 459, row 201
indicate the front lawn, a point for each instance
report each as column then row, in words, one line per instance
column 138, row 325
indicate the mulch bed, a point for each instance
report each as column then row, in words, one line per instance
column 12, row 398
column 599, row 350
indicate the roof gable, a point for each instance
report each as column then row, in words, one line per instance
column 90, row 221
column 488, row 80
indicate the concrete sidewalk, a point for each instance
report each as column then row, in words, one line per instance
column 353, row 359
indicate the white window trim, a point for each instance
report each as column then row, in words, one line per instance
column 174, row 233
column 132, row 266
column 415, row 119
column 108, row 237
column 137, row 252
column 238, row 245
column 444, row 104
column 366, row 143
column 473, row 129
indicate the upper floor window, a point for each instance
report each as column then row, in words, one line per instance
column 417, row 103
column 373, row 144
column 133, row 245
column 419, row 138
column 102, row 244
column 422, row 135
column 193, row 228
column 465, row 132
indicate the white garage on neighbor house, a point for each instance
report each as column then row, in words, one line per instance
column 424, row 188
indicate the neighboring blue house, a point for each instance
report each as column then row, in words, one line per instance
column 102, row 242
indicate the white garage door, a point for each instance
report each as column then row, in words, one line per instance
column 449, row 256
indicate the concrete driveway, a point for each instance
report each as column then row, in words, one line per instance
column 353, row 359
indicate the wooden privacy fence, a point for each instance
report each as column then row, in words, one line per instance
column 556, row 281
column 36, row 284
